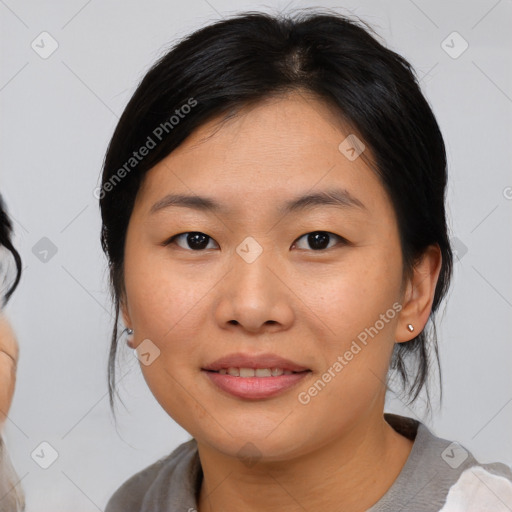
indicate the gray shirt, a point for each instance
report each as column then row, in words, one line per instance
column 438, row 475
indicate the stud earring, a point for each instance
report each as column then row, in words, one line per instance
column 410, row 327
column 129, row 339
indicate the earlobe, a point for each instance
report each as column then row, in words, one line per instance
column 419, row 295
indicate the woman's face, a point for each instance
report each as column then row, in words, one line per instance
column 252, row 283
column 8, row 362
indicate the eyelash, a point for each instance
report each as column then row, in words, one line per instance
column 341, row 240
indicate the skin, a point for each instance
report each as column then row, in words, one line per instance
column 337, row 452
column 8, row 361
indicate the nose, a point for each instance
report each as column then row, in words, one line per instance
column 255, row 296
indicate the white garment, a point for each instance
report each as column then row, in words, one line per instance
column 478, row 490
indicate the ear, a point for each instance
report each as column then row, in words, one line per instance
column 123, row 306
column 419, row 294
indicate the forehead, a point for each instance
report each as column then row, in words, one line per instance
column 287, row 127
column 272, row 150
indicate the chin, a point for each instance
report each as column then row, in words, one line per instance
column 250, row 445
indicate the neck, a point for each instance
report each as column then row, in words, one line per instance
column 350, row 473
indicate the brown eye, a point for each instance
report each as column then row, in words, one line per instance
column 194, row 240
column 319, row 240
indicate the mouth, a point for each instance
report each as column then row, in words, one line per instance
column 252, row 365
column 254, row 377
column 254, row 372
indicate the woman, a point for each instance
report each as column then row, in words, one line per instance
column 11, row 496
column 273, row 216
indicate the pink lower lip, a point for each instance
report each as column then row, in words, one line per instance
column 255, row 387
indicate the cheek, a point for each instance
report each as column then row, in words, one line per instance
column 359, row 306
column 360, row 315
column 354, row 294
column 165, row 307
column 163, row 299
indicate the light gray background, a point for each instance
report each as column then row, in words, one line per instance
column 57, row 115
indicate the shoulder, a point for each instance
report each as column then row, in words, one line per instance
column 133, row 493
column 443, row 475
column 469, row 483
column 481, row 487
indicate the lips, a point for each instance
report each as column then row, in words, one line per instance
column 262, row 361
column 254, row 377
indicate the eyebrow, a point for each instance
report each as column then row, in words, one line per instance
column 337, row 197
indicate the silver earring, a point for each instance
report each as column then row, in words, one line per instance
column 129, row 339
column 410, row 327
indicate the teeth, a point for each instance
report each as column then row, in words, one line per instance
column 254, row 372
